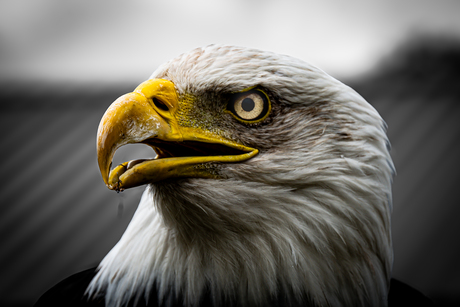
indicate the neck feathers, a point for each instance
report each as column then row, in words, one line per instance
column 240, row 249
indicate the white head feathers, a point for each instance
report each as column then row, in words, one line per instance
column 307, row 218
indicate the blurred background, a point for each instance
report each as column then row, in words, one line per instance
column 63, row 63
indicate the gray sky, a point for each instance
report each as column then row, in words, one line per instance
column 109, row 41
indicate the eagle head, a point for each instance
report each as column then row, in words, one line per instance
column 271, row 184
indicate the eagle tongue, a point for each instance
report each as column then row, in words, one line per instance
column 134, row 162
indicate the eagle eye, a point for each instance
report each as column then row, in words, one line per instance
column 250, row 106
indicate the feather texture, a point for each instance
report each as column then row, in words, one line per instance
column 308, row 217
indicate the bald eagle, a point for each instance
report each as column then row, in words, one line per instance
column 271, row 186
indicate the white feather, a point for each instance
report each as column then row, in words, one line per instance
column 308, row 218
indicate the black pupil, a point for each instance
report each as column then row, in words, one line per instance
column 247, row 104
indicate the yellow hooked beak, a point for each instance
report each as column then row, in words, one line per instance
column 148, row 116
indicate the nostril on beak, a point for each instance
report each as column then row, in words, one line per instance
column 160, row 104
